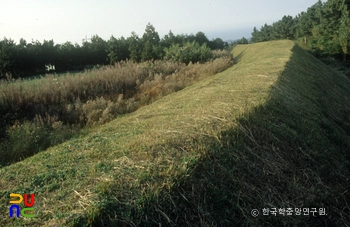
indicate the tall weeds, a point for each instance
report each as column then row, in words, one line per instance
column 89, row 98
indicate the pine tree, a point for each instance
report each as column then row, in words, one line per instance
column 7, row 56
column 256, row 35
column 201, row 38
column 168, row 40
column 344, row 31
column 283, row 29
column 112, row 50
column 150, row 41
column 266, row 33
column 134, row 47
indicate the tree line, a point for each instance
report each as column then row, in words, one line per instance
column 324, row 28
column 26, row 59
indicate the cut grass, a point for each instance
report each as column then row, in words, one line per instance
column 271, row 131
column 50, row 110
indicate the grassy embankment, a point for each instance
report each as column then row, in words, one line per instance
column 37, row 114
column 270, row 132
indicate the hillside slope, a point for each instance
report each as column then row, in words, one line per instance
column 270, row 132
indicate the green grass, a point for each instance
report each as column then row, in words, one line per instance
column 47, row 111
column 271, row 131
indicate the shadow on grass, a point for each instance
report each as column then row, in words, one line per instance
column 240, row 56
column 292, row 152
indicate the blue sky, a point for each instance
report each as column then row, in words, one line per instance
column 72, row 20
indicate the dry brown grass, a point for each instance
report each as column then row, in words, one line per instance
column 90, row 98
column 52, row 94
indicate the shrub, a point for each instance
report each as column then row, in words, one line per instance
column 28, row 138
column 189, row 52
column 220, row 54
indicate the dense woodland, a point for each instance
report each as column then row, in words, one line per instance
column 30, row 58
column 324, row 29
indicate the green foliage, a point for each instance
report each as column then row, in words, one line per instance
column 117, row 50
column 94, row 52
column 150, row 41
column 135, row 47
column 284, row 29
column 68, row 56
column 7, row 56
column 48, row 52
column 168, row 40
column 28, row 138
column 324, row 28
column 217, row 44
column 201, row 38
column 344, row 31
column 266, row 33
column 256, row 36
column 243, row 40
column 189, row 52
column 28, row 59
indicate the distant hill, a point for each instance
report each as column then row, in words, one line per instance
column 273, row 131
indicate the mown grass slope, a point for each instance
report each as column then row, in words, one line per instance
column 270, row 132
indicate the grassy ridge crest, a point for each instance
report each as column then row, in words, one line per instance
column 271, row 131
